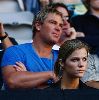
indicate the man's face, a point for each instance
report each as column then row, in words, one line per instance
column 94, row 4
column 51, row 28
column 66, row 24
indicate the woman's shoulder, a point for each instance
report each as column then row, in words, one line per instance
column 84, row 86
column 54, row 86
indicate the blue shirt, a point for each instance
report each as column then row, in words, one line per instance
column 26, row 54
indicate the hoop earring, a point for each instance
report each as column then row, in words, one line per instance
column 60, row 69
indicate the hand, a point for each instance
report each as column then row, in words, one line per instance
column 80, row 34
column 2, row 32
column 53, row 76
column 20, row 66
column 72, row 33
column 69, row 34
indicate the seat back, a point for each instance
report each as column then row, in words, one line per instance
column 9, row 6
column 18, row 25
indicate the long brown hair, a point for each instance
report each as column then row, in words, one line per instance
column 65, row 51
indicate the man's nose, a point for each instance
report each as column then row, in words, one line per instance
column 58, row 28
column 65, row 22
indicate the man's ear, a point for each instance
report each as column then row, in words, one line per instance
column 38, row 26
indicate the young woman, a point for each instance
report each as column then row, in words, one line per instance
column 71, row 65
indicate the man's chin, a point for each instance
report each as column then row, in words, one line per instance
column 53, row 43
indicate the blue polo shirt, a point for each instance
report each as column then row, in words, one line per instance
column 26, row 54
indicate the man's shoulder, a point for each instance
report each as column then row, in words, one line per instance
column 20, row 45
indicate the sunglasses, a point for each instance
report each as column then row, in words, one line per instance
column 66, row 18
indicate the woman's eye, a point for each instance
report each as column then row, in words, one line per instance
column 74, row 60
column 84, row 59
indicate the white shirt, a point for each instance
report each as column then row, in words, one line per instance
column 56, row 47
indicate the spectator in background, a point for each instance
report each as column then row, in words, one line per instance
column 38, row 57
column 68, row 32
column 5, row 43
column 35, row 5
column 71, row 65
column 32, row 5
column 89, row 24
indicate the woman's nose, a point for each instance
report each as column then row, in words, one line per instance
column 81, row 63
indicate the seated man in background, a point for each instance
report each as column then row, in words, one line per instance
column 5, row 40
column 38, row 56
column 88, row 23
column 68, row 32
column 5, row 43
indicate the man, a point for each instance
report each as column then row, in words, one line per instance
column 38, row 57
column 5, row 40
column 89, row 22
column 68, row 32
column 5, row 43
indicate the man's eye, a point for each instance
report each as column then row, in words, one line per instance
column 61, row 25
column 66, row 18
column 52, row 22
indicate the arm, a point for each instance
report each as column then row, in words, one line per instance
column 21, row 79
column 91, row 76
column 6, row 41
column 94, row 84
column 24, row 79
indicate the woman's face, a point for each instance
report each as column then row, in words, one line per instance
column 75, row 65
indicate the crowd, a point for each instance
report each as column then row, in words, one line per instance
column 59, row 56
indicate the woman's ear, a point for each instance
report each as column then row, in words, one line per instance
column 61, row 64
column 60, row 71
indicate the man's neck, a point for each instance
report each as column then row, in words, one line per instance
column 42, row 49
column 60, row 42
